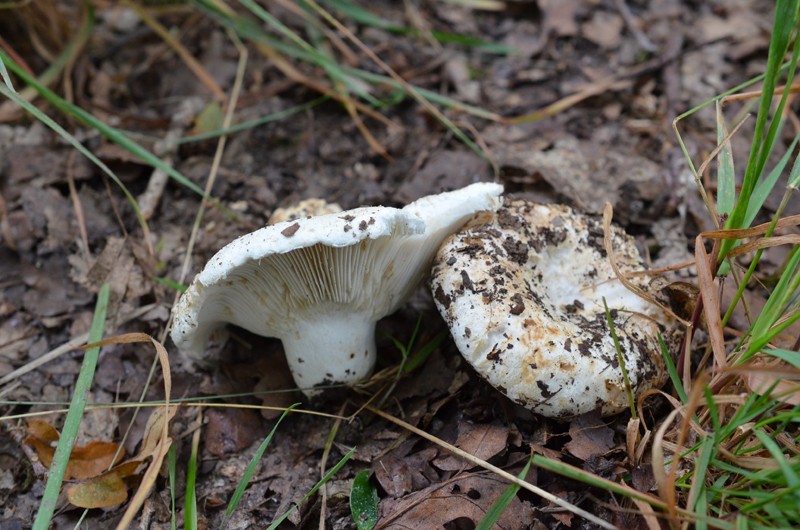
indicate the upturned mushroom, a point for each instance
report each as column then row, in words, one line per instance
column 522, row 290
column 320, row 284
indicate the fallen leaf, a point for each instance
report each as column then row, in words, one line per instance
column 777, row 378
column 231, row 430
column 103, row 491
column 559, row 17
column 93, row 459
column 41, row 436
column 604, row 29
column 480, row 440
column 85, row 461
column 399, row 474
column 590, row 436
column 42, row 430
column 466, row 498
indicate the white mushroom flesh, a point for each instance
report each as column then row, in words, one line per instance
column 522, row 291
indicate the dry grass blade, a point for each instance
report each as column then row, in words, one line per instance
column 774, row 241
column 212, row 175
column 754, row 231
column 794, row 89
column 486, row 465
column 708, row 290
column 298, row 77
column 648, row 514
column 76, row 203
column 611, row 84
column 666, row 474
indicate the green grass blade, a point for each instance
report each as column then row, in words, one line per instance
column 726, row 177
column 190, row 499
column 251, row 469
column 249, row 29
column 172, row 466
column 421, row 355
column 672, row 370
column 172, row 284
column 249, row 124
column 765, row 186
column 367, row 18
column 620, row 360
column 69, row 432
column 765, row 133
column 364, row 501
column 791, row 357
column 335, row 469
column 789, row 473
column 499, row 506
column 794, row 176
column 761, row 332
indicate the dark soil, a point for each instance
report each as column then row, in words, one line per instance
column 639, row 64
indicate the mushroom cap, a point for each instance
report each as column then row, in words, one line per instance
column 320, row 283
column 522, row 290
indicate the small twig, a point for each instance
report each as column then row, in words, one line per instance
column 76, row 203
column 645, row 43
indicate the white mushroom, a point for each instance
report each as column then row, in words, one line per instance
column 522, row 290
column 319, row 284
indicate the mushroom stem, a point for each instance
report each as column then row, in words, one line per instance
column 338, row 347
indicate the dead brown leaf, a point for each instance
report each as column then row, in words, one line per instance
column 93, row 459
column 230, row 430
column 480, row 440
column 781, row 380
column 399, row 473
column 467, row 497
column 103, row 491
column 590, row 436
column 85, row 461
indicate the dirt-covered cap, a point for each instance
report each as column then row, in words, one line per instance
column 522, row 291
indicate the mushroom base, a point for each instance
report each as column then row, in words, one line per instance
column 332, row 349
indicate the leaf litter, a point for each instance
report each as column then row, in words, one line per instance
column 612, row 146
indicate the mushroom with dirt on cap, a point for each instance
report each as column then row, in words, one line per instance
column 522, row 291
column 320, row 283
